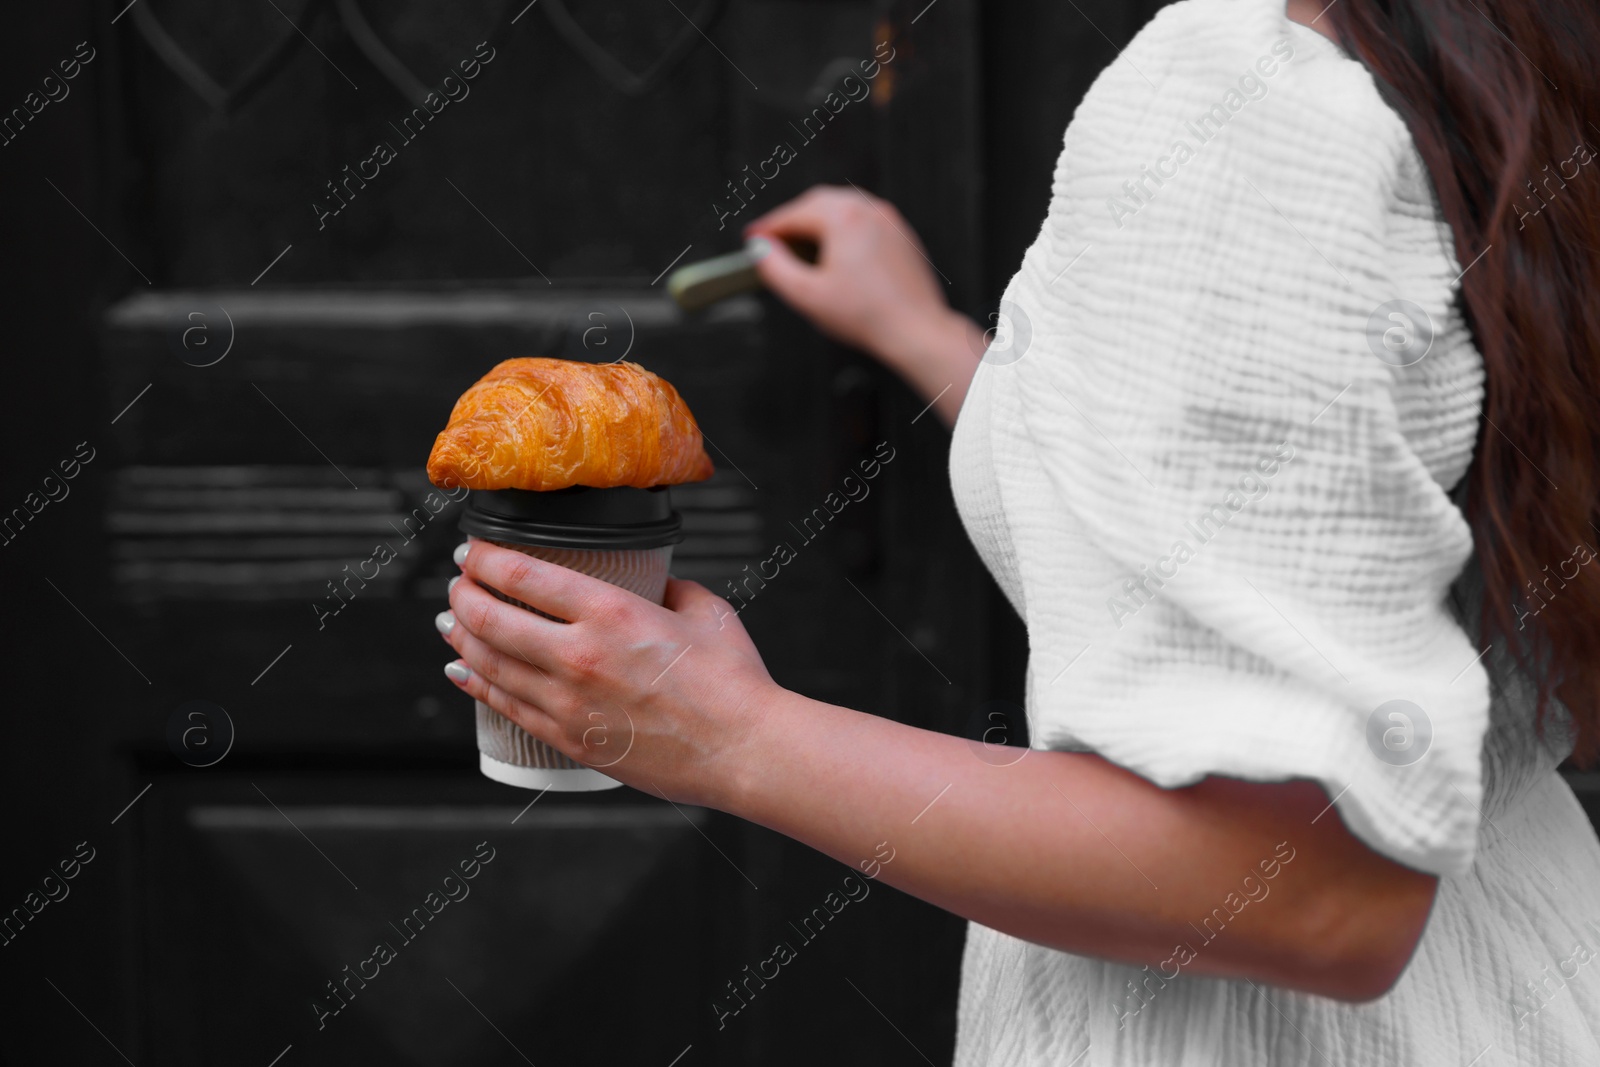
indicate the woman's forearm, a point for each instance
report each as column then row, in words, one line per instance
column 1069, row 851
column 937, row 356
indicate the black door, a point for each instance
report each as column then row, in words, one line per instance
column 333, row 254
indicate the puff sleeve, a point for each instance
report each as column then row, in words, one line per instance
column 1231, row 519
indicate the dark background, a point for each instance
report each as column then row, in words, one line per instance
column 222, row 499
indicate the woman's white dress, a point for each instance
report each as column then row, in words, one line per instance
column 1213, row 473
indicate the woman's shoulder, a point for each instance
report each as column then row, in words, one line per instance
column 1214, row 93
column 1208, row 63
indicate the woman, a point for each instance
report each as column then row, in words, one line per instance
column 1275, row 815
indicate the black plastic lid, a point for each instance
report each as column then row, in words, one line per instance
column 579, row 517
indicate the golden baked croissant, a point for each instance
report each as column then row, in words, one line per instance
column 546, row 424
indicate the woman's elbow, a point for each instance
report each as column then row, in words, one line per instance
column 1358, row 942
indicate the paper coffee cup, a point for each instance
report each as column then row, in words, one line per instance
column 623, row 536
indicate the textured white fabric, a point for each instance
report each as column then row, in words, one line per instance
column 1188, row 360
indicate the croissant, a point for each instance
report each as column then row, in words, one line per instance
column 544, row 424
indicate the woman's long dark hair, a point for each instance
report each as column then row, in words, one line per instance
column 1503, row 100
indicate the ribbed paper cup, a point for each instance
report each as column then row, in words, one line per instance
column 578, row 530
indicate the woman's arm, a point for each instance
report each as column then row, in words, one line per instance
column 1260, row 881
column 1070, row 851
column 873, row 288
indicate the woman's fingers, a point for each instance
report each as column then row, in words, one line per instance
column 791, row 277
column 512, row 673
column 510, row 629
column 812, row 216
column 549, row 587
column 530, row 718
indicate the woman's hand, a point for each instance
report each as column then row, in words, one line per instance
column 657, row 697
column 872, row 287
column 872, row 281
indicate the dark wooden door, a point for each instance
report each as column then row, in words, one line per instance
column 332, row 259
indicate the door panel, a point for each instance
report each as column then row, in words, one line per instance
column 423, row 899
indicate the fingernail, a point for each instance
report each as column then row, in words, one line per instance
column 451, row 584
column 460, row 554
column 457, row 672
column 758, row 248
column 444, row 622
